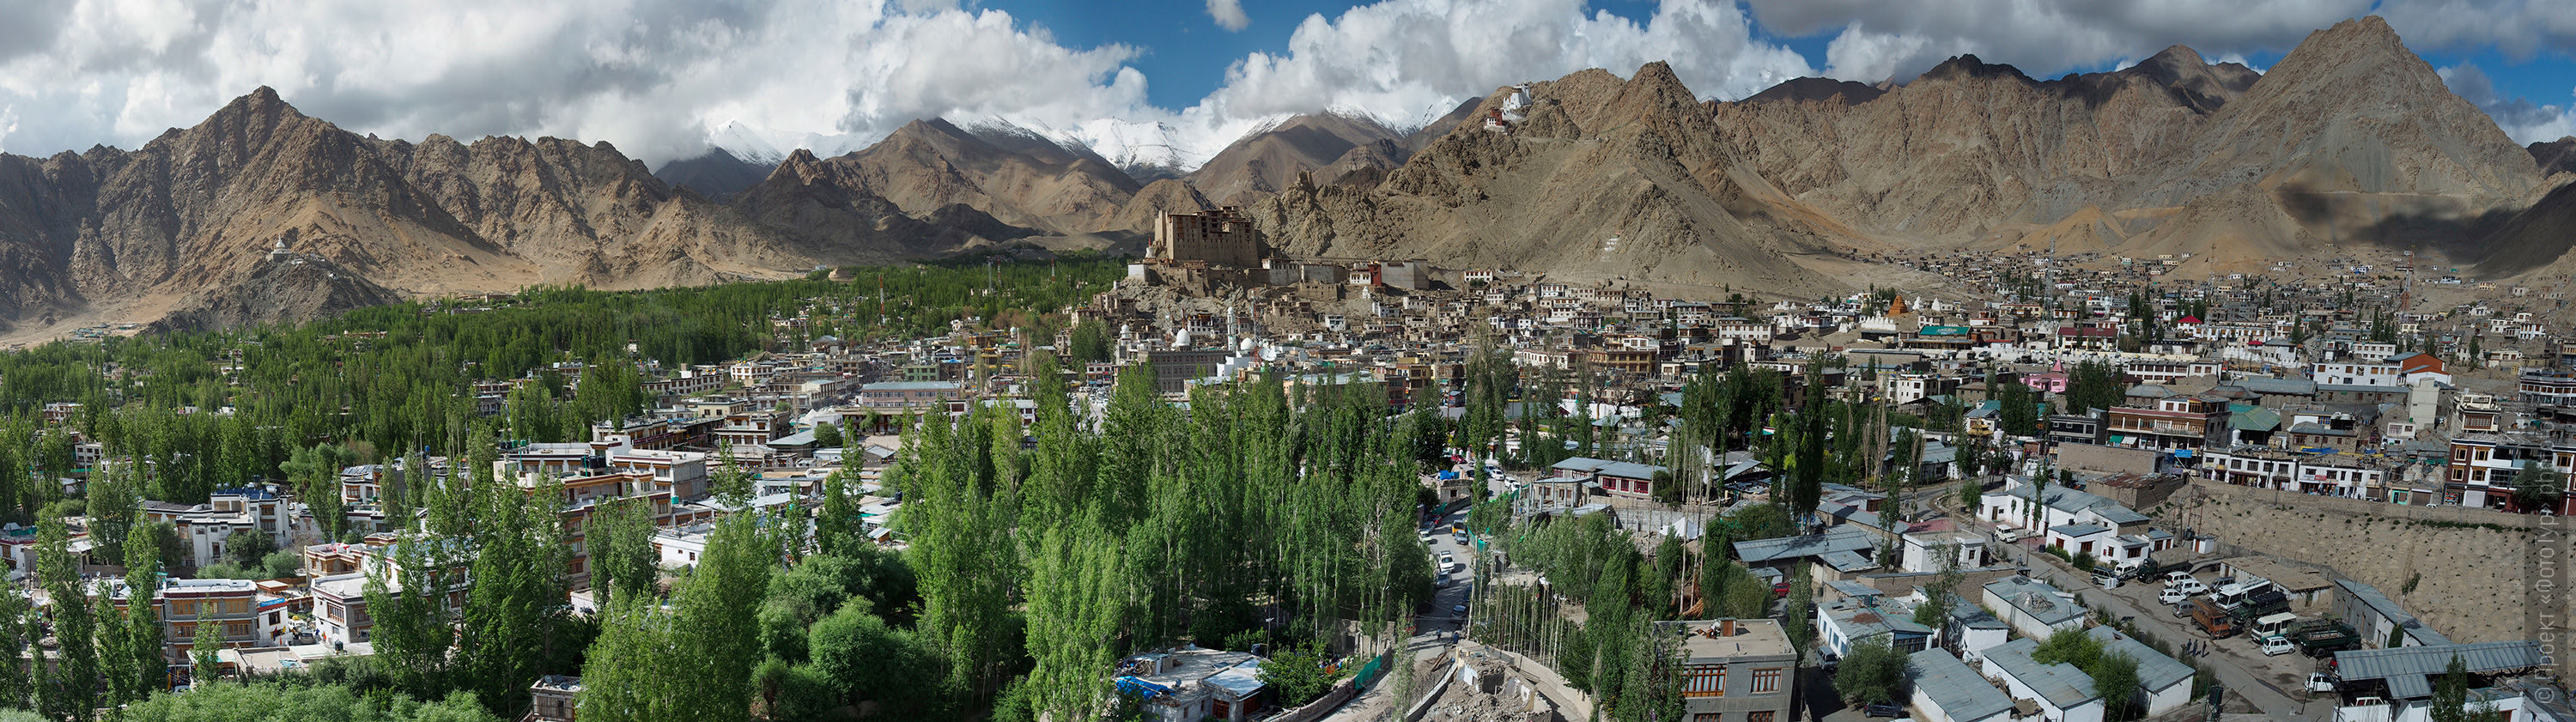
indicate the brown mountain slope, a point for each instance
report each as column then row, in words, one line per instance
column 181, row 228
column 1263, row 162
column 2351, row 138
column 1605, row 179
column 931, row 164
column 1969, row 150
column 823, row 208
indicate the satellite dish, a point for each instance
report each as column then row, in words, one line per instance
column 1269, row 353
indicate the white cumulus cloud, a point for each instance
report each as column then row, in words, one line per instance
column 1228, row 14
column 659, row 77
column 2520, row 118
column 1408, row 61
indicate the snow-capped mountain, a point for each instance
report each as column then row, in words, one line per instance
column 768, row 147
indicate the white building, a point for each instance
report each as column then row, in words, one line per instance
column 2032, row 607
column 1946, row 690
column 2064, row 693
column 2164, row 685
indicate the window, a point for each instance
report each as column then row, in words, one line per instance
column 1761, row 716
column 1704, row 680
column 1766, row 680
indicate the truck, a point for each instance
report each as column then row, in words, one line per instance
column 2151, row 568
column 2321, row 638
column 2214, row 622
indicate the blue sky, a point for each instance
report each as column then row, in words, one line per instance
column 663, row 79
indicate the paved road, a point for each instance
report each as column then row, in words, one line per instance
column 2250, row 685
column 1441, row 618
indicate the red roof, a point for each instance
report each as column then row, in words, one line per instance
column 2188, row 319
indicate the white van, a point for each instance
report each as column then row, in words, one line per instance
column 2231, row 596
column 2274, row 625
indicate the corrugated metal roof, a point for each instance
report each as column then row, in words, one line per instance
column 1846, row 561
column 2155, row 671
column 2481, row 658
column 2409, row 686
column 2063, row 684
column 1839, row 539
column 1956, row 689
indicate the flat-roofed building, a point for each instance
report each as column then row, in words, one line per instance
column 1735, row 670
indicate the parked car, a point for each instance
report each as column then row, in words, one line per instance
column 2189, row 587
column 1882, row 710
column 2008, row 536
column 2276, row 646
column 2321, row 682
column 2184, row 609
column 2172, row 596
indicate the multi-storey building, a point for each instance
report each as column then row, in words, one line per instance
column 2547, row 386
column 230, row 604
column 1735, row 670
column 2178, row 424
column 2483, row 466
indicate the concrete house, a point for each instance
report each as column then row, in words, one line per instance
column 1946, row 690
column 2032, row 607
column 2061, row 692
column 2164, row 685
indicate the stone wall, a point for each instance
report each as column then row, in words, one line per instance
column 2466, row 568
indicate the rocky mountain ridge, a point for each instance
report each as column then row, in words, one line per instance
column 2350, row 142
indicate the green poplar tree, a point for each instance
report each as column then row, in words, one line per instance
column 70, row 691
column 205, row 666
column 518, row 584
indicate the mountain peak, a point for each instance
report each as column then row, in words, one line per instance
column 2181, row 56
column 2368, row 32
column 261, row 101
column 1968, row 66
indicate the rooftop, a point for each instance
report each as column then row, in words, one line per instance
column 1958, row 690
column 2035, row 598
column 2408, row 666
column 2155, row 670
column 2063, row 684
column 1845, row 539
column 1754, row 639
